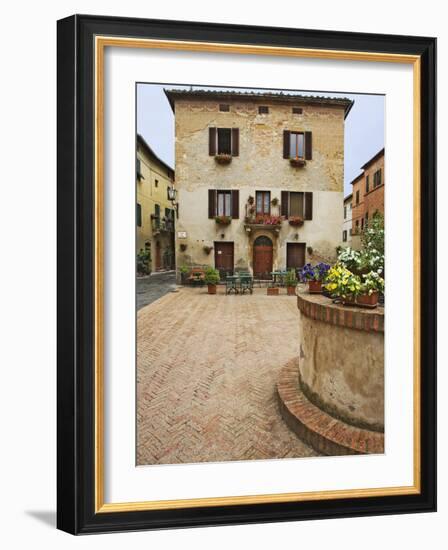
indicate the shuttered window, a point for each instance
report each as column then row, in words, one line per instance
column 377, row 178
column 223, row 141
column 297, row 145
column 297, row 203
column 367, row 184
column 139, row 215
column 223, row 203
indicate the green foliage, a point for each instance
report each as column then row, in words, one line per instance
column 143, row 262
column 211, row 276
column 291, row 278
column 184, row 269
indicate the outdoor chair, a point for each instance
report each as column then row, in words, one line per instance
column 246, row 282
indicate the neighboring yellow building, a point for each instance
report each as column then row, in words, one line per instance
column 155, row 215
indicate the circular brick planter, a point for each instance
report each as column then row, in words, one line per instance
column 339, row 375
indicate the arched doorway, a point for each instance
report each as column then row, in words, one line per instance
column 262, row 257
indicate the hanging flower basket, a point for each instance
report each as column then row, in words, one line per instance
column 207, row 249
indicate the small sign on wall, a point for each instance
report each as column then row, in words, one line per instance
column 181, row 234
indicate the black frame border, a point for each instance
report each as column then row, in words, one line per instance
column 76, row 264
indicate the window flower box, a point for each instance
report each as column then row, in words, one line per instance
column 223, row 220
column 223, row 158
column 297, row 162
column 296, row 221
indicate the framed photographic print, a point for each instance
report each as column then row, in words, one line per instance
column 246, row 266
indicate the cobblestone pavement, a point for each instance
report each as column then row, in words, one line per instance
column 206, row 376
column 150, row 289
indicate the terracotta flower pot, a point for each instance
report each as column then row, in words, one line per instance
column 272, row 291
column 291, row 290
column 211, row 289
column 366, row 300
column 315, row 287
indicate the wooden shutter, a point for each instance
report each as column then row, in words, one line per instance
column 286, row 143
column 211, row 203
column 308, row 206
column 212, row 141
column 235, row 204
column 235, row 142
column 308, row 146
column 285, row 203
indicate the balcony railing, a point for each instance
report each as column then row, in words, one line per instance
column 162, row 225
column 272, row 223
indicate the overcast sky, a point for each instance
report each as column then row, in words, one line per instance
column 364, row 126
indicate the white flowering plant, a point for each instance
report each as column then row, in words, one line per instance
column 372, row 282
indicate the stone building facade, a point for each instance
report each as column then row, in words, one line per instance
column 259, row 178
column 347, row 224
column 155, row 214
column 368, row 192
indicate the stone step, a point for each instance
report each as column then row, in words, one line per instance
column 326, row 434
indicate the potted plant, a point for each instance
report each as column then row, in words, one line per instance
column 274, row 201
column 223, row 220
column 371, row 286
column 291, row 282
column 183, row 247
column 207, row 249
column 295, row 221
column 251, row 199
column 223, row 158
column 211, row 279
column 343, row 284
column 272, row 290
column 314, row 276
column 183, row 273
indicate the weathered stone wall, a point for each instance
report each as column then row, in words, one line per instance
column 342, row 360
column 259, row 166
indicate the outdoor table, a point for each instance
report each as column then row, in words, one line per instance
column 280, row 274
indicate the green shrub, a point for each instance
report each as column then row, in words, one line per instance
column 211, row 276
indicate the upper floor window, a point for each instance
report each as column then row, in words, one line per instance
column 224, row 107
column 139, row 215
column 377, row 178
column 344, row 235
column 357, row 197
column 297, row 145
column 156, row 183
column 367, row 184
column 224, row 206
column 263, row 202
column 157, row 210
column 297, row 203
column 223, row 203
column 138, row 166
column 297, row 110
column 345, row 212
column 223, row 141
column 263, row 110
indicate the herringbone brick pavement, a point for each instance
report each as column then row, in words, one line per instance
column 207, row 368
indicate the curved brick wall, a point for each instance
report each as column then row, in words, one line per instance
column 341, row 363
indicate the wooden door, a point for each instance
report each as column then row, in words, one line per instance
column 295, row 255
column 224, row 258
column 263, row 258
column 158, row 255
